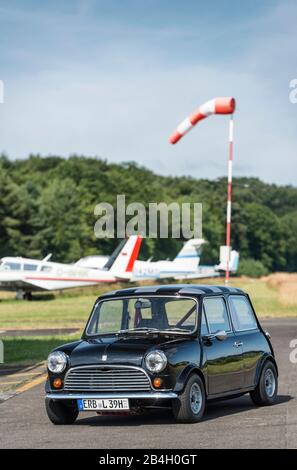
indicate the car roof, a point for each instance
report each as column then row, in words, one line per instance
column 172, row 289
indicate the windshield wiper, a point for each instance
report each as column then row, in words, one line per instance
column 175, row 330
column 154, row 330
column 143, row 329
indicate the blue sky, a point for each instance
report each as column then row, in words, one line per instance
column 114, row 78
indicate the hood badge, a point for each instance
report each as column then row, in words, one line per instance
column 104, row 357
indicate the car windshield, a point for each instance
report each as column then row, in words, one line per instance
column 143, row 315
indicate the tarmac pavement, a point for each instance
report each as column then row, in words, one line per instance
column 228, row 424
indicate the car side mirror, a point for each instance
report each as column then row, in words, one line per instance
column 220, row 335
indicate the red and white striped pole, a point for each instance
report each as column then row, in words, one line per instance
column 229, row 197
column 225, row 105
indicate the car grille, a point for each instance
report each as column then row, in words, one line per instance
column 107, row 379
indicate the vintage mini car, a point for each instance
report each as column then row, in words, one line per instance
column 176, row 346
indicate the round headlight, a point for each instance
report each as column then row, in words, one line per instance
column 156, row 361
column 57, row 361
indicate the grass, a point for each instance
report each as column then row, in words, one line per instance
column 273, row 296
column 268, row 298
column 29, row 350
column 70, row 309
column 59, row 312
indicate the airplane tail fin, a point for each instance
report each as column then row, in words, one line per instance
column 233, row 262
column 189, row 256
column 122, row 260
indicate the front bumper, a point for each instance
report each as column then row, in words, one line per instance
column 132, row 395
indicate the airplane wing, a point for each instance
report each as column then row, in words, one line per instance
column 19, row 283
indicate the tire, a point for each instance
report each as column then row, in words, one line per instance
column 59, row 413
column 184, row 406
column 266, row 391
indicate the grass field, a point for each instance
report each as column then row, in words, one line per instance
column 273, row 296
column 28, row 350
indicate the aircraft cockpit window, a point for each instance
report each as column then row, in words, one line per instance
column 13, row 266
column 30, row 267
column 46, row 268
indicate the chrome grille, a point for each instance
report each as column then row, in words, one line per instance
column 107, row 379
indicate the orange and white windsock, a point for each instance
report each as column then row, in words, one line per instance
column 214, row 106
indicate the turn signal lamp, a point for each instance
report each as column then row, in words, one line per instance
column 58, row 383
column 157, row 382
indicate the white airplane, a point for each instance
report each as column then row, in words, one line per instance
column 25, row 275
column 208, row 271
column 186, row 265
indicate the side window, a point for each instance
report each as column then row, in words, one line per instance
column 13, row 266
column 204, row 329
column 216, row 314
column 30, row 267
column 46, row 268
column 241, row 312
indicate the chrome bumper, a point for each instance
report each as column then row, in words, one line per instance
column 140, row 395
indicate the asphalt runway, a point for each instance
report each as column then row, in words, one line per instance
column 229, row 424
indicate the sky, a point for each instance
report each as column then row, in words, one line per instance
column 114, row 78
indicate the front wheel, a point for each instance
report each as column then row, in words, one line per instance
column 266, row 391
column 59, row 413
column 190, row 405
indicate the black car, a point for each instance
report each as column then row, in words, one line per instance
column 175, row 346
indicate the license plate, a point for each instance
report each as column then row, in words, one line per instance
column 99, row 404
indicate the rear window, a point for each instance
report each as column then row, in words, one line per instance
column 242, row 315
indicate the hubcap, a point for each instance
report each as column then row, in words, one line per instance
column 269, row 382
column 195, row 398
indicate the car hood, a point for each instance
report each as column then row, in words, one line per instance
column 127, row 349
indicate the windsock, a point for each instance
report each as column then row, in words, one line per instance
column 214, row 106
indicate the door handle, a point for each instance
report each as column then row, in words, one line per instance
column 237, row 344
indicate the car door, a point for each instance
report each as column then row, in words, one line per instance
column 223, row 358
column 247, row 332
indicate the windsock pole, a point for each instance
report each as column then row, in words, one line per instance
column 229, row 196
column 215, row 106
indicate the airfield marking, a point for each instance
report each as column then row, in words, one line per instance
column 10, row 383
column 32, row 384
column 20, row 374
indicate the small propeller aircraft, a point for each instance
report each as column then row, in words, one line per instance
column 25, row 275
column 186, row 265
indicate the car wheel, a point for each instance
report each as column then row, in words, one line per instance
column 59, row 413
column 266, row 391
column 190, row 405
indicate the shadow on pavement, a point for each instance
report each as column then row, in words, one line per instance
column 230, row 407
column 214, row 410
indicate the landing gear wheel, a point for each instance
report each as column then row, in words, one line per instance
column 59, row 413
column 266, row 391
column 190, row 405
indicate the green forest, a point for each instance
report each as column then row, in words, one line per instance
column 47, row 206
